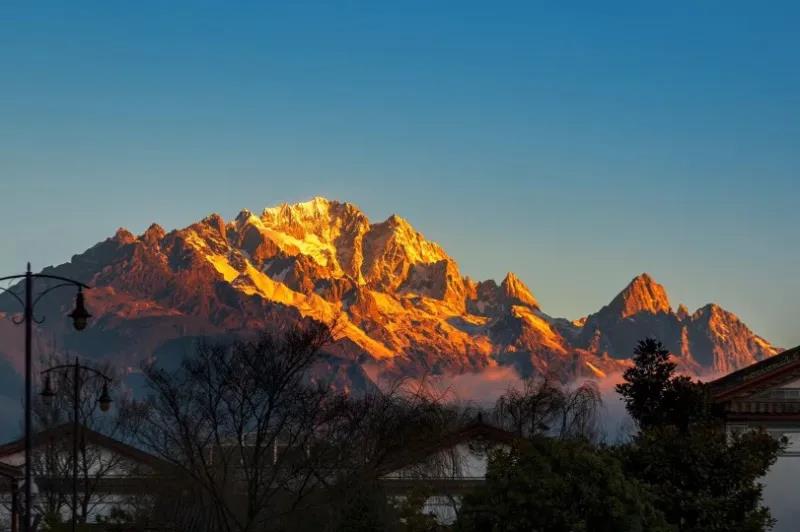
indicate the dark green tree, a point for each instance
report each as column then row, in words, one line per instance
column 704, row 478
column 559, row 485
column 655, row 396
column 647, row 382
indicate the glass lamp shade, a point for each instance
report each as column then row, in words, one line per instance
column 80, row 316
column 47, row 394
column 105, row 399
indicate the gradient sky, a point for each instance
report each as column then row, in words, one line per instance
column 577, row 145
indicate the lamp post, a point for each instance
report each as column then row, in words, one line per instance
column 79, row 317
column 104, row 401
column 13, row 480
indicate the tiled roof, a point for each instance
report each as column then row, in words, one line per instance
column 762, row 374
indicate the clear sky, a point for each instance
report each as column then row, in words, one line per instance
column 575, row 144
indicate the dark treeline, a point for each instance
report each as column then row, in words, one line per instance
column 681, row 470
column 253, row 437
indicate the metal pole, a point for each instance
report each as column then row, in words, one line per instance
column 76, row 398
column 28, row 386
column 14, row 505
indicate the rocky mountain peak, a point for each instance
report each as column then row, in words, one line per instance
column 215, row 222
column 724, row 342
column 714, row 315
column 643, row 294
column 397, row 297
column 516, row 291
column 391, row 248
column 243, row 216
column 123, row 236
column 317, row 208
column 154, row 234
column 395, row 220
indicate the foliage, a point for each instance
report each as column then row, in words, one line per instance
column 544, row 406
column 704, row 478
column 265, row 443
column 367, row 436
column 363, row 509
column 258, row 441
column 410, row 515
column 559, row 485
column 52, row 522
column 654, row 396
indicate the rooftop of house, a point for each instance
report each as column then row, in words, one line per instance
column 64, row 431
column 774, row 370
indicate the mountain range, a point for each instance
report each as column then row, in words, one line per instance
column 399, row 302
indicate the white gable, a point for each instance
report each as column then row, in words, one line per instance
column 102, row 459
column 464, row 460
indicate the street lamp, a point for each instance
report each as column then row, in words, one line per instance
column 105, row 399
column 105, row 404
column 79, row 317
column 13, row 481
column 47, row 394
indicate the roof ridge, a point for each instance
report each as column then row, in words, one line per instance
column 763, row 369
column 64, row 429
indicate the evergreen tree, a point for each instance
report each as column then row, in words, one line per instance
column 704, row 478
column 647, row 383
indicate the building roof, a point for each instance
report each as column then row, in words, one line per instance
column 767, row 373
column 476, row 431
column 10, row 472
column 91, row 436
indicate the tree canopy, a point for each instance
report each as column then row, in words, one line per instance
column 705, row 478
column 559, row 485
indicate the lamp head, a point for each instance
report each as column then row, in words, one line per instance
column 47, row 394
column 105, row 399
column 80, row 316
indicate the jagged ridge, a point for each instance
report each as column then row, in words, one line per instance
column 397, row 299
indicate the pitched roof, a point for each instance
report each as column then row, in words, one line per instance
column 65, row 430
column 478, row 430
column 10, row 472
column 769, row 372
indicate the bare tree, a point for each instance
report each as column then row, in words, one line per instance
column 393, row 425
column 579, row 411
column 532, row 409
column 397, row 430
column 545, row 406
column 239, row 422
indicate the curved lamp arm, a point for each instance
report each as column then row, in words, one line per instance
column 12, row 294
column 47, row 291
column 58, row 278
column 45, row 276
column 81, row 367
column 64, row 282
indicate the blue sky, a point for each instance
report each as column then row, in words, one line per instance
column 575, row 144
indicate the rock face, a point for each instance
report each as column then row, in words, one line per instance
column 642, row 295
column 711, row 339
column 397, row 300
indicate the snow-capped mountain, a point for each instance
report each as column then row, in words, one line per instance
column 711, row 339
column 398, row 300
